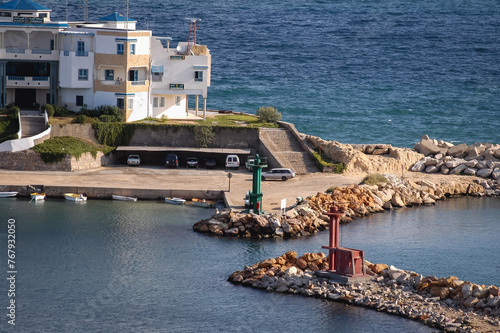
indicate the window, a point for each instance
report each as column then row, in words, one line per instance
column 130, row 103
column 47, row 98
column 83, row 74
column 133, row 75
column 162, row 102
column 79, row 100
column 155, row 102
column 157, row 77
column 51, row 44
column 80, row 48
column 198, row 76
column 42, row 15
column 109, row 74
column 177, row 100
column 119, row 48
column 120, row 103
column 132, row 48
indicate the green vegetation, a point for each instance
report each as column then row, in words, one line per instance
column 238, row 120
column 268, row 114
column 204, row 135
column 326, row 164
column 114, row 134
column 9, row 123
column 331, row 189
column 54, row 149
column 374, row 179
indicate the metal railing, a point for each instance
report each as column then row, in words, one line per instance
column 37, row 51
column 14, row 50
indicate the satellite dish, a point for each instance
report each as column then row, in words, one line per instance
column 181, row 48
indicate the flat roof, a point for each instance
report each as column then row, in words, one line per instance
column 234, row 151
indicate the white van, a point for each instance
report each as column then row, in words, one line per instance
column 232, row 161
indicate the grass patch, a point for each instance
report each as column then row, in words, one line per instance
column 326, row 164
column 374, row 179
column 54, row 149
column 237, row 120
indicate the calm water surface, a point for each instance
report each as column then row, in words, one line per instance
column 107, row 266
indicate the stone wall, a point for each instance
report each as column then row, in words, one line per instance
column 83, row 131
column 29, row 160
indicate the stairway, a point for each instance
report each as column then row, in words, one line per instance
column 32, row 125
column 287, row 150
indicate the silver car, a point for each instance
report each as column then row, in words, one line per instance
column 278, row 173
column 133, row 160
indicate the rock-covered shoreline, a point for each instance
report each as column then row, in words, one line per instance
column 479, row 159
column 356, row 201
column 446, row 303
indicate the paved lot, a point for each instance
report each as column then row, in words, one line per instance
column 149, row 177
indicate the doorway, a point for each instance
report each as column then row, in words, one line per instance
column 25, row 98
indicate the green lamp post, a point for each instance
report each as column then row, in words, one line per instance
column 256, row 193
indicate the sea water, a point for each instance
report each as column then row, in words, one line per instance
column 368, row 71
column 111, row 266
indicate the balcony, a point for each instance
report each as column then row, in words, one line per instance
column 28, row 81
column 110, row 82
column 138, row 83
column 29, row 54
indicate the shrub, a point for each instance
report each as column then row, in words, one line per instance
column 60, row 111
column 331, row 189
column 50, row 110
column 13, row 111
column 374, row 179
column 204, row 135
column 106, row 118
column 268, row 114
column 80, row 119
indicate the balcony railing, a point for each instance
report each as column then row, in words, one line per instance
column 16, row 78
column 40, row 78
column 81, row 53
column 14, row 50
column 37, row 51
column 110, row 82
column 138, row 83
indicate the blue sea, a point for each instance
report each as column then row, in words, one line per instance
column 374, row 71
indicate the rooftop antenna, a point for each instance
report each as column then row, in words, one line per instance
column 66, row 10
column 193, row 26
column 86, row 10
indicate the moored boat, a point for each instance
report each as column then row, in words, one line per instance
column 123, row 198
column 175, row 201
column 203, row 203
column 75, row 197
column 8, row 194
column 37, row 196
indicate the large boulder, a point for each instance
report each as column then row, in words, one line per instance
column 457, row 150
column 427, row 147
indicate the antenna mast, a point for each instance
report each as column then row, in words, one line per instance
column 66, row 10
column 86, row 11
column 126, row 15
column 193, row 26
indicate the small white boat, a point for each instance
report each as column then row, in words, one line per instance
column 37, row 196
column 75, row 197
column 175, row 201
column 123, row 198
column 8, row 194
column 203, row 203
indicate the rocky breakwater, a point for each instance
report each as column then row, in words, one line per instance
column 479, row 159
column 355, row 201
column 446, row 303
column 357, row 159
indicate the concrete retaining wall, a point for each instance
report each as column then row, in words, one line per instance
column 29, row 160
column 83, row 131
column 107, row 192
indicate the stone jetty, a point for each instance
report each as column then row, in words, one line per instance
column 356, row 201
column 448, row 303
column 479, row 159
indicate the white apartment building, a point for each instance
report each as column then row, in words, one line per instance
column 106, row 62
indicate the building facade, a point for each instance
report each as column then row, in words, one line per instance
column 89, row 64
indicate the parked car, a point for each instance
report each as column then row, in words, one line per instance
column 232, row 161
column 278, row 173
column 133, row 160
column 249, row 164
column 172, row 161
column 192, row 162
column 210, row 163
